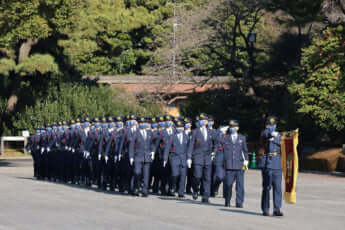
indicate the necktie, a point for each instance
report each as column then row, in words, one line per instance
column 144, row 134
column 180, row 138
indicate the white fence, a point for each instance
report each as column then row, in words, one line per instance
column 18, row 138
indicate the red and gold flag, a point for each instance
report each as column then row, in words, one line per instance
column 289, row 159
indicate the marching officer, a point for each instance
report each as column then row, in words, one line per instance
column 126, row 170
column 235, row 153
column 219, row 172
column 164, row 138
column 111, row 151
column 200, row 153
column 141, row 152
column 86, row 165
column 271, row 169
column 188, row 132
column 176, row 151
column 158, row 161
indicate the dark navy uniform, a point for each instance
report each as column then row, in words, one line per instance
column 200, row 152
column 270, row 164
column 176, row 152
column 141, row 152
column 235, row 153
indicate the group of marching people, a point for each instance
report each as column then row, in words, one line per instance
column 138, row 155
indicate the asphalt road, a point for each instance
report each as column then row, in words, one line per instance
column 30, row 204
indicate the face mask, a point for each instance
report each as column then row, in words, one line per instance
column 209, row 125
column 179, row 130
column 104, row 126
column 131, row 123
column 233, row 130
column 143, row 126
column 77, row 126
column 187, row 126
column 154, row 125
column 169, row 124
column 272, row 128
column 119, row 124
column 201, row 123
column 161, row 124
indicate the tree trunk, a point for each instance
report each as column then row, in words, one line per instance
column 24, row 52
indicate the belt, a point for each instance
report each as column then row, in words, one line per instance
column 273, row 154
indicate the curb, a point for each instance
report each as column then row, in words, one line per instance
column 340, row 174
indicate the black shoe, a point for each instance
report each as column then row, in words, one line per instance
column 135, row 193
column 278, row 213
column 227, row 204
column 145, row 195
column 239, row 205
column 181, row 196
column 265, row 214
column 205, row 200
column 171, row 193
column 195, row 196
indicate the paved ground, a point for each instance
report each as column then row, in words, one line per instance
column 30, row 204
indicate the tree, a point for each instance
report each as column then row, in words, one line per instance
column 298, row 14
column 319, row 84
column 24, row 24
column 228, row 51
column 115, row 36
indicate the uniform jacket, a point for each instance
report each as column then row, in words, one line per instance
column 271, row 144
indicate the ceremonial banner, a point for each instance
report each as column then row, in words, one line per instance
column 289, row 160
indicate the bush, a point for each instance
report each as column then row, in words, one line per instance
column 66, row 101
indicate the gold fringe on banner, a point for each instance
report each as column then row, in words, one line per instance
column 289, row 160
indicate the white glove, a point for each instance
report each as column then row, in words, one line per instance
column 131, row 161
column 48, row 150
column 87, row 154
column 99, row 157
column 66, row 147
column 42, row 150
column 271, row 139
column 29, row 151
column 152, row 155
column 69, row 148
column 115, row 159
column 73, row 150
column 38, row 148
column 189, row 163
column 106, row 159
column 224, row 129
column 275, row 133
column 245, row 163
column 164, row 163
column 120, row 157
column 213, row 155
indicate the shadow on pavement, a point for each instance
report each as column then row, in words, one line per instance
column 25, row 162
column 5, row 163
column 241, row 211
column 93, row 188
column 188, row 201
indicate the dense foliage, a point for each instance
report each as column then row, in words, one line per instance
column 319, row 84
column 295, row 69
